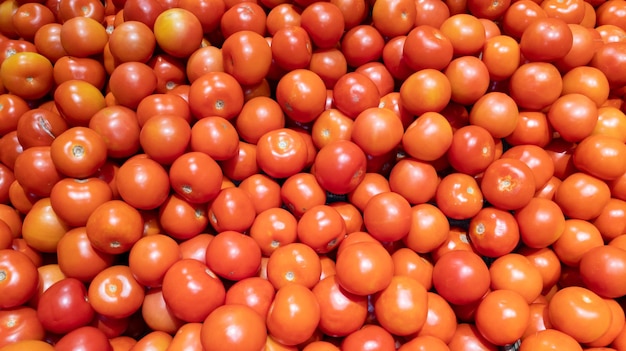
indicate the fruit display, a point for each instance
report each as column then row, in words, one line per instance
column 285, row 175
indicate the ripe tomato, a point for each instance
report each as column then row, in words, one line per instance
column 247, row 56
column 535, row 85
column 119, row 128
column 151, row 257
column 353, row 94
column 401, row 308
column 78, row 152
column 508, row 184
column 341, row 312
column 64, row 307
column 430, row 126
column 573, row 306
column 427, row 47
column 467, row 337
column 20, row 324
column 142, row 183
column 469, row 80
column 83, row 339
column 27, row 75
column 310, row 100
column 272, row 228
column 493, row 232
column 165, row 137
column 236, row 327
column 42, row 228
column 364, row 268
column 74, row 200
column 226, row 254
column 600, row 264
column 39, row 127
column 232, row 209
column 322, row 228
column 215, row 94
column 429, row 228
column 471, row 150
column 387, row 217
column 254, row 292
column 178, row 32
column 465, row 32
column 458, row 196
column 427, row 90
column 502, row 316
column 281, row 153
column 580, row 204
column 294, row 315
column 461, row 277
column 549, row 339
column 185, row 181
column 294, row 263
column 131, row 82
column 515, row 272
column 191, row 290
column 115, row 293
column 77, row 258
column 546, row 39
column 35, row 170
column 19, row 278
column 114, row 227
column 340, row 166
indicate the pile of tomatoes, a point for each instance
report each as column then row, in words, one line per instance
column 302, row 175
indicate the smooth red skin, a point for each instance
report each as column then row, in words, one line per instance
column 63, row 307
column 84, row 339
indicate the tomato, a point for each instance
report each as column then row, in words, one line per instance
column 119, row 128
column 236, row 327
column 322, row 228
column 429, row 228
column 364, row 268
column 515, row 272
column 341, row 312
column 232, row 209
column 493, row 232
column 64, row 307
column 324, row 22
column 243, row 164
column 426, row 90
column 387, row 216
column 272, row 228
column 549, row 340
column 142, row 183
column 187, row 336
column 606, row 58
column 226, row 253
column 243, row 48
column 401, row 308
column 191, row 290
column 430, row 126
column 39, row 127
column 465, row 32
column 294, row 263
column 535, row 85
column 602, row 263
column 471, row 150
column 19, row 278
column 340, row 166
column 243, row 16
column 254, row 292
column 570, row 196
column 27, row 75
column 78, row 152
column 508, row 184
column 178, row 32
column 469, row 79
column 157, row 316
column 294, row 315
column 291, row 48
column 612, row 213
column 164, row 138
column 461, row 277
column 281, row 153
column 571, row 306
column 546, row 39
column 35, row 170
column 458, row 196
column 215, row 94
column 130, row 82
column 362, row 44
column 114, row 227
column 151, row 256
column 77, row 257
column 20, row 324
column 73, row 200
column 83, row 339
column 502, row 316
column 467, row 337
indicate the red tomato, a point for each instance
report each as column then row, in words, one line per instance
column 142, row 183
column 233, row 256
column 248, row 57
column 178, row 32
column 20, row 324
column 64, row 307
column 599, row 266
column 458, row 196
column 401, row 308
column 340, row 166
column 364, row 268
column 508, row 184
column 502, row 317
column 293, row 315
column 191, row 290
column 115, row 293
column 236, row 327
column 114, row 227
column 461, row 277
column 493, row 232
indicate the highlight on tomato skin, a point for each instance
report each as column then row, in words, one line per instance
column 312, row 175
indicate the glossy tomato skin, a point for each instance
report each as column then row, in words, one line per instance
column 84, row 339
column 599, row 266
column 19, row 278
column 20, row 323
column 340, row 166
column 461, row 277
column 233, row 327
column 64, row 306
